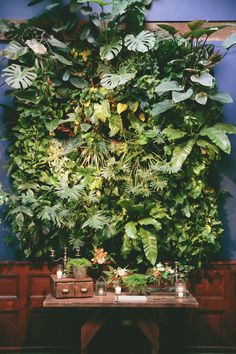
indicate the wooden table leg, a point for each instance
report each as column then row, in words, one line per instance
column 91, row 327
column 151, row 332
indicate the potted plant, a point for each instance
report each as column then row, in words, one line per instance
column 136, row 283
column 78, row 266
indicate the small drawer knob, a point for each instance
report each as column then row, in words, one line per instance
column 65, row 291
column 84, row 290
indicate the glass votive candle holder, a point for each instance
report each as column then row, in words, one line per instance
column 180, row 289
column 59, row 271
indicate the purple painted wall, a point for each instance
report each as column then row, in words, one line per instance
column 162, row 10
column 187, row 10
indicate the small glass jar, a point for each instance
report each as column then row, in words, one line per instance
column 59, row 271
column 100, row 287
column 180, row 289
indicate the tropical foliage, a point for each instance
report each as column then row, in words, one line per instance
column 114, row 134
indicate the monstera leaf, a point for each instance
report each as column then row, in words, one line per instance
column 143, row 42
column 13, row 51
column 19, row 78
column 112, row 49
column 111, row 81
column 149, row 241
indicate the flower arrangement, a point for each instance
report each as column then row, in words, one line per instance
column 116, row 276
column 161, row 274
column 100, row 256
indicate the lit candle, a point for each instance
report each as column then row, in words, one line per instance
column 180, row 291
column 59, row 273
column 100, row 292
column 118, row 290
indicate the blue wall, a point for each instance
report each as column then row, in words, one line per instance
column 162, row 10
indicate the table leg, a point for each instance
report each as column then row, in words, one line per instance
column 151, row 332
column 91, row 327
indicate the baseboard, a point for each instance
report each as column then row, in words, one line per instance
column 209, row 349
column 22, row 350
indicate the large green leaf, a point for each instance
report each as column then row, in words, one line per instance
column 36, row 46
column 196, row 24
column 96, row 221
column 230, row 41
column 173, row 134
column 179, row 156
column 168, row 86
column 143, row 42
column 162, row 107
column 170, row 29
column 56, row 43
column 226, row 128
column 181, row 96
column 62, row 59
column 101, row 112
column 112, row 49
column 18, row 78
column 149, row 241
column 201, row 98
column 99, row 2
column 115, row 124
column 120, row 7
column 131, row 230
column 79, row 83
column 111, row 81
column 204, row 79
column 222, row 97
column 218, row 137
column 150, row 221
column 13, row 51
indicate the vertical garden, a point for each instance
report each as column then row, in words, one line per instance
column 114, row 134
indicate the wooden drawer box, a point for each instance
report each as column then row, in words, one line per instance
column 71, row 287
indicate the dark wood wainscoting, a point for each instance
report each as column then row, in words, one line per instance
column 24, row 323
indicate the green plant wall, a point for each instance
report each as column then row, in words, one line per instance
column 114, row 135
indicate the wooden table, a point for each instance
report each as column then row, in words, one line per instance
column 109, row 302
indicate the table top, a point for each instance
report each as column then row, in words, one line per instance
column 110, row 301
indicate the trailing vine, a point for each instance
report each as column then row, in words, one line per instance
column 115, row 133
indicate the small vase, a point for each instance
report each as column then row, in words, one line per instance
column 80, row 271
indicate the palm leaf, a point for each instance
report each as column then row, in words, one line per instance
column 73, row 193
column 149, row 241
column 19, row 78
column 96, row 221
column 112, row 49
column 143, row 42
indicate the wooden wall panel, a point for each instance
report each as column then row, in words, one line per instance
column 207, row 329
column 8, row 328
column 25, row 323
